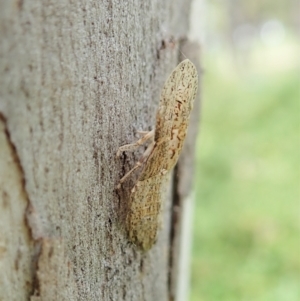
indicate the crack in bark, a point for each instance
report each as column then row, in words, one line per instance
column 175, row 215
column 36, row 241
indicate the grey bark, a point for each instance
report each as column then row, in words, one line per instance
column 78, row 79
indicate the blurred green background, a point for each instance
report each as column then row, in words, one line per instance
column 246, row 243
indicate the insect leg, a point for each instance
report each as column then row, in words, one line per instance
column 139, row 163
column 134, row 146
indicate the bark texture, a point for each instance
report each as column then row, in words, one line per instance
column 78, row 79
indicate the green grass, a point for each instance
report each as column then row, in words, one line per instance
column 246, row 223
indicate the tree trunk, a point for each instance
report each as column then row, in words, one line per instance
column 78, row 80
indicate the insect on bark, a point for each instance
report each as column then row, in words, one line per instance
column 172, row 120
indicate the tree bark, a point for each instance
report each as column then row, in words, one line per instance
column 78, row 79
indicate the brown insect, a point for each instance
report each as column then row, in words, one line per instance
column 172, row 120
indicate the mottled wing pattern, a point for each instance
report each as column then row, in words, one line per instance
column 172, row 120
column 143, row 217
